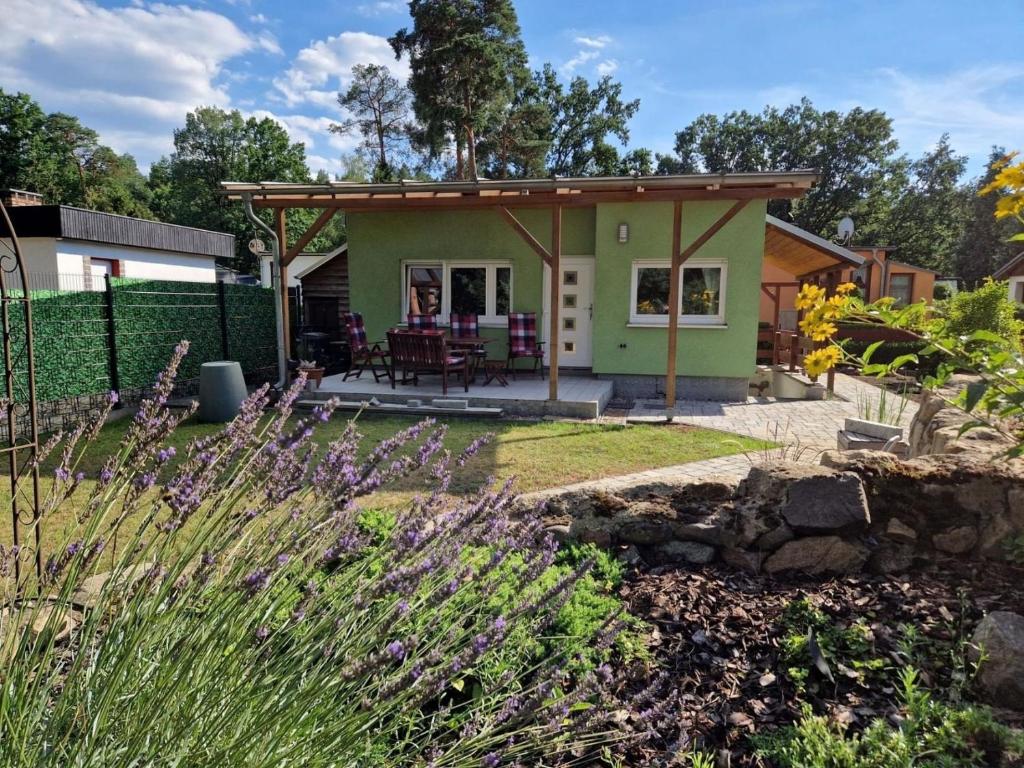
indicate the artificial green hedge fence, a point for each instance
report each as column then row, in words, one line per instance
column 72, row 342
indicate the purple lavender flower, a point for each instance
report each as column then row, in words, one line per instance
column 396, row 650
column 113, row 398
column 61, row 473
column 262, row 633
column 491, row 760
column 256, row 581
column 166, row 454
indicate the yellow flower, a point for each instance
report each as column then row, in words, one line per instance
column 808, row 296
column 834, row 308
column 821, row 360
column 815, row 324
column 844, row 288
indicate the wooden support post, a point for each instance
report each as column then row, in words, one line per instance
column 673, row 304
column 282, row 250
column 556, row 298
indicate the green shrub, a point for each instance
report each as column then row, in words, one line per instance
column 931, row 735
column 987, row 308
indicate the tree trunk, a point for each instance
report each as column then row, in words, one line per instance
column 459, row 168
column 467, row 105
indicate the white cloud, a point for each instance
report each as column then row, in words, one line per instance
column 590, row 48
column 581, row 58
column 592, row 42
column 144, row 65
column 311, row 130
column 324, row 68
column 978, row 107
column 380, row 8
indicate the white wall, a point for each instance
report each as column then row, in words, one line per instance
column 138, row 262
column 301, row 263
column 1017, row 288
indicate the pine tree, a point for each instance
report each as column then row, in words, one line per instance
column 464, row 56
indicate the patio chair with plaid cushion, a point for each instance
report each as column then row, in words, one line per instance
column 467, row 327
column 421, row 322
column 522, row 341
column 364, row 354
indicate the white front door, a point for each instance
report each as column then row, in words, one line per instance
column 575, row 316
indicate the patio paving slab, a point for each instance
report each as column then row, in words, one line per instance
column 580, row 397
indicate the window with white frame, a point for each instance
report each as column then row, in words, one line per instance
column 701, row 293
column 441, row 288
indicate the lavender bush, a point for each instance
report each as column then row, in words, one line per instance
column 255, row 614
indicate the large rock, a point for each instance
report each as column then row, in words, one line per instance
column 811, row 498
column 956, row 541
column 685, row 551
column 817, row 554
column 998, row 644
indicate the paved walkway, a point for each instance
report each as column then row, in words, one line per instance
column 801, row 428
column 801, row 425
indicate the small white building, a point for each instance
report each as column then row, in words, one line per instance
column 1013, row 272
column 68, row 248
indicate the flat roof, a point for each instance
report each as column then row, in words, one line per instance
column 71, row 223
column 522, row 192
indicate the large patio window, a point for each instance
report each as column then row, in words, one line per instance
column 483, row 289
column 701, row 294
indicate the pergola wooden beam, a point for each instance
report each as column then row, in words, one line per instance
column 307, row 236
column 525, row 234
column 519, row 200
column 678, row 257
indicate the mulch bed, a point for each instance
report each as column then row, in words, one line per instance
column 717, row 634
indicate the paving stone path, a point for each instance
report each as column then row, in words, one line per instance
column 801, row 428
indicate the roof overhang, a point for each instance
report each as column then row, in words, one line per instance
column 800, row 252
column 521, row 193
column 1012, row 268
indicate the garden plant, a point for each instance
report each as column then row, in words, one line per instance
column 256, row 614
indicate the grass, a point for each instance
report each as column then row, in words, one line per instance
column 538, row 454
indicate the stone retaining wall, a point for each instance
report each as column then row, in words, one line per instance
column 857, row 510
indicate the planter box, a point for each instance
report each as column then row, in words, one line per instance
column 874, row 429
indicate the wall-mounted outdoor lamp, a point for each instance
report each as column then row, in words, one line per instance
column 623, row 233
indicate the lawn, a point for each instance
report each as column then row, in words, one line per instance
column 538, row 454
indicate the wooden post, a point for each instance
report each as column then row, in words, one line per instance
column 556, row 283
column 282, row 250
column 673, row 304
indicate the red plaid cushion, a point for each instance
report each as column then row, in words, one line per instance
column 421, row 322
column 522, row 333
column 356, row 333
column 464, row 325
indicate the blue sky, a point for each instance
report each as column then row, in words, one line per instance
column 132, row 69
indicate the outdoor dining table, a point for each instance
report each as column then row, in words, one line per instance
column 469, row 343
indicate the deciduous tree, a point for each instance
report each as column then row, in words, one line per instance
column 853, row 152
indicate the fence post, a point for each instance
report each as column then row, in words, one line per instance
column 223, row 307
column 115, row 379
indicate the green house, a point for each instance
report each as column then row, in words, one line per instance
column 614, row 246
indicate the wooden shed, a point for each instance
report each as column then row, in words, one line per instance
column 325, row 293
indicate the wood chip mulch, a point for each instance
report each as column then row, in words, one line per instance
column 717, row 634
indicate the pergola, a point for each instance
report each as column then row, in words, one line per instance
column 505, row 196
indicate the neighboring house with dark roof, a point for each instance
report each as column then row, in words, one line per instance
column 72, row 248
column 1013, row 272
